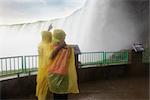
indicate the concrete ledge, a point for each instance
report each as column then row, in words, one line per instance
column 17, row 76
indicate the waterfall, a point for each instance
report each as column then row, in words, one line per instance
column 100, row 25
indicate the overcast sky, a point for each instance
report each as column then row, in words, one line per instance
column 23, row 11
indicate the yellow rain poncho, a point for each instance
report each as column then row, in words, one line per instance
column 44, row 53
column 62, row 77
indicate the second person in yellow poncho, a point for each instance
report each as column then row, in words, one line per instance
column 62, row 76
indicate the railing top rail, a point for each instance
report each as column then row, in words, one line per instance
column 116, row 52
column 11, row 57
column 30, row 55
column 104, row 52
column 80, row 53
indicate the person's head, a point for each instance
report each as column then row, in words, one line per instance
column 46, row 36
column 58, row 36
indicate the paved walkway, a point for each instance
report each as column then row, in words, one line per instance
column 114, row 89
column 134, row 88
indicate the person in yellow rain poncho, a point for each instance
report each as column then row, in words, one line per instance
column 62, row 76
column 44, row 49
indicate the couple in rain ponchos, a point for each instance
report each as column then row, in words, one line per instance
column 56, row 69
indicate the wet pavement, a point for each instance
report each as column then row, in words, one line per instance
column 134, row 88
column 125, row 88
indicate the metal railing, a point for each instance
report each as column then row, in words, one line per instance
column 30, row 63
column 18, row 64
column 11, row 65
column 27, row 64
column 103, row 58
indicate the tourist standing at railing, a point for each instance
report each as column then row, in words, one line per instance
column 44, row 53
column 62, row 76
column 44, row 49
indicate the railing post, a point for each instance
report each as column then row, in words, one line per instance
column 24, row 64
column 1, row 68
column 127, row 55
column 22, row 61
column 104, row 57
column 6, row 65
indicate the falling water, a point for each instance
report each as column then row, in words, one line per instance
column 100, row 25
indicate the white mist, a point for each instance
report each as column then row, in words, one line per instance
column 100, row 25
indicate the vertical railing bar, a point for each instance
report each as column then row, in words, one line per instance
column 127, row 53
column 123, row 57
column 120, row 57
column 6, row 64
column 109, row 58
column 29, row 64
column 37, row 62
column 84, row 58
column 115, row 59
column 25, row 64
column 92, row 57
column 22, row 64
column 112, row 58
column 122, row 54
column 105, row 58
column 10, row 65
column 2, row 66
column 14, row 65
column 32, row 63
column 17, row 65
column 100, row 58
